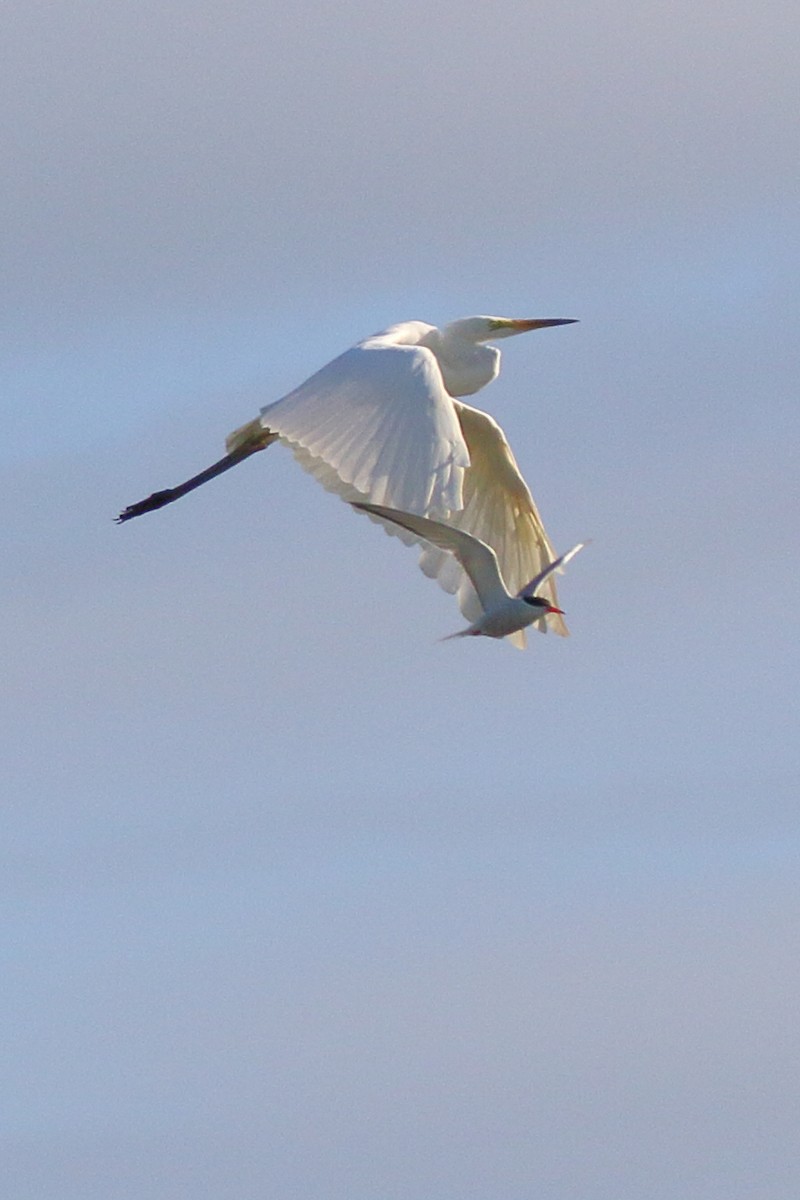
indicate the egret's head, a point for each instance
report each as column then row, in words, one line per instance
column 488, row 329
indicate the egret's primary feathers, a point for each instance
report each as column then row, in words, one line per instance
column 503, row 614
column 382, row 423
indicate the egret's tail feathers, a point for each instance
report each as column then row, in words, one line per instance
column 250, row 437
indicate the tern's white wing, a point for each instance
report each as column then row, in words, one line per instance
column 498, row 509
column 377, row 424
column 477, row 559
column 534, row 587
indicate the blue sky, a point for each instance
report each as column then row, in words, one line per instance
column 299, row 901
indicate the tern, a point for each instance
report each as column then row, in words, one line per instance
column 504, row 614
column 382, row 423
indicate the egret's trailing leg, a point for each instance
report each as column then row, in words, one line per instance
column 243, row 442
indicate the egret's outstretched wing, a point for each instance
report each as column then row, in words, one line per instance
column 377, row 423
column 535, row 586
column 499, row 509
column 477, row 559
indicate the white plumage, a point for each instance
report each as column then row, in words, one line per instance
column 383, row 424
column 501, row 614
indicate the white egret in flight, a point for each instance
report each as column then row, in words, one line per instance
column 382, row 423
column 503, row 613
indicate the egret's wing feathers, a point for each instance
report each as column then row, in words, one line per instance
column 499, row 510
column 534, row 587
column 377, row 423
column 476, row 558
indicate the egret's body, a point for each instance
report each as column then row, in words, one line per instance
column 383, row 423
column 503, row 614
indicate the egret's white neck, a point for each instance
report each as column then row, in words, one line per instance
column 466, row 365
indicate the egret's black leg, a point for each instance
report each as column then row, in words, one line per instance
column 159, row 499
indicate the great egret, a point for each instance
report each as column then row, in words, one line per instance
column 381, row 423
column 503, row 614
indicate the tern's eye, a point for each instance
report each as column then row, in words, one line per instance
column 535, row 601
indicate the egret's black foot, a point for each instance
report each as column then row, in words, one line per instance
column 157, row 500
